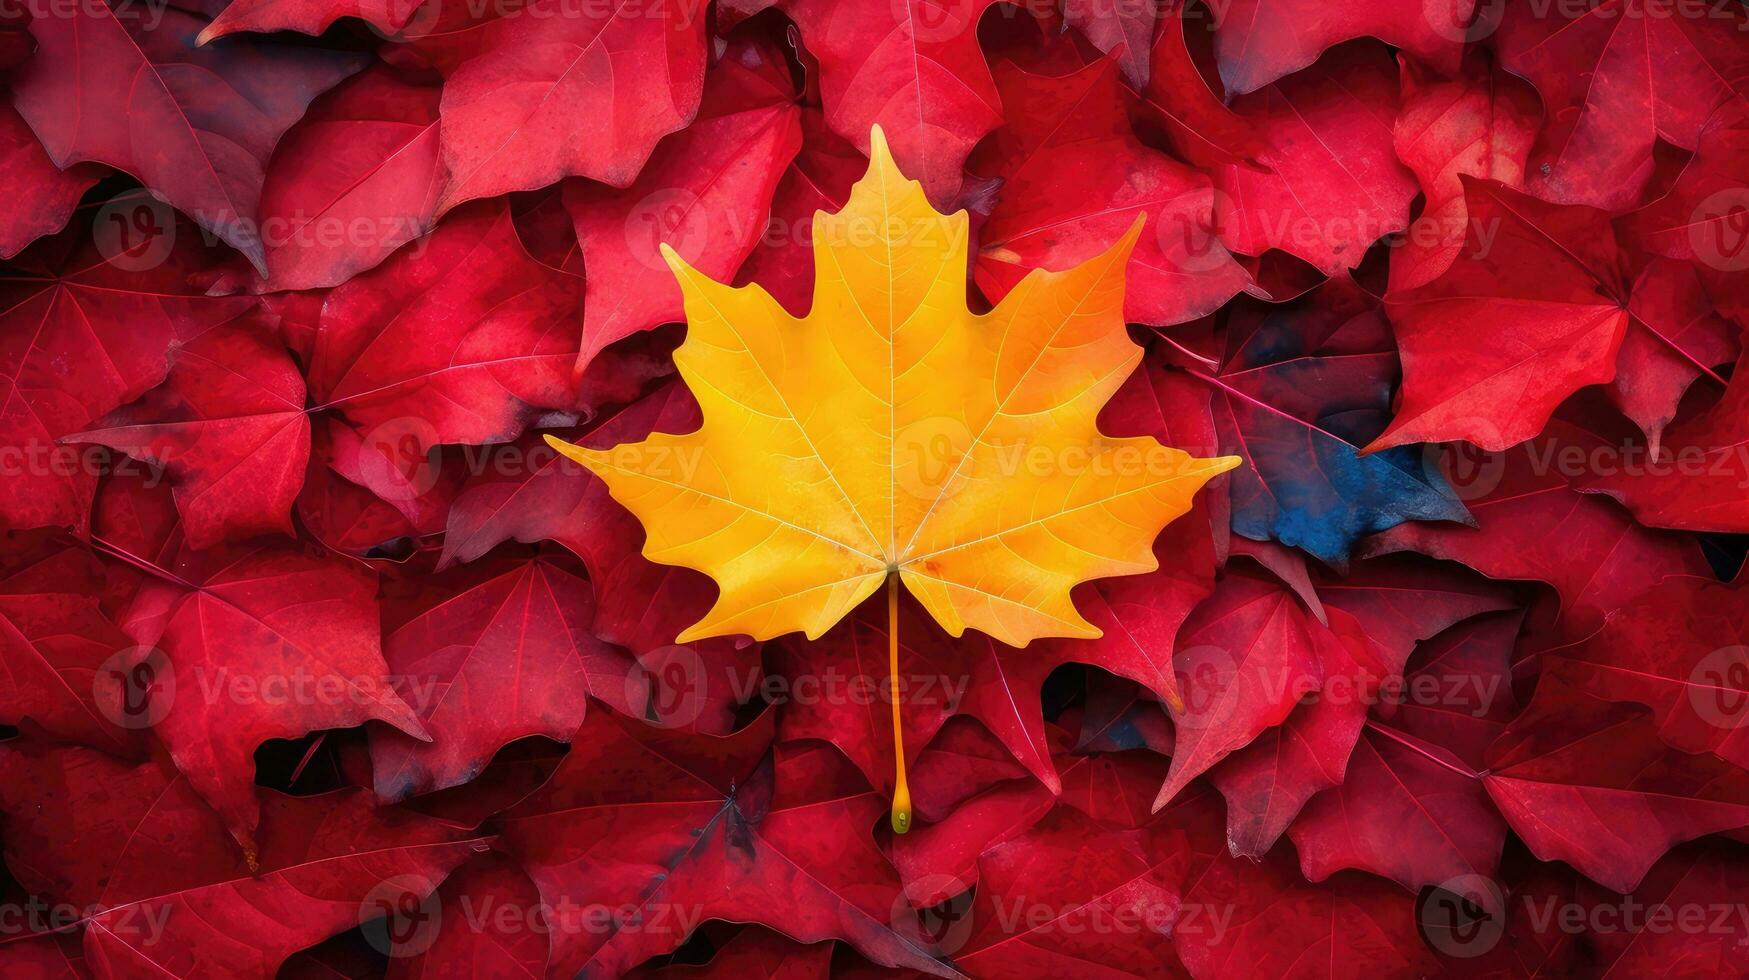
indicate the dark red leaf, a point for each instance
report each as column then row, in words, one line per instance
column 1073, row 128
column 658, row 830
column 128, row 87
column 485, row 656
column 164, row 892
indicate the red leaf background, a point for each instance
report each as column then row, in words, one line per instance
column 316, row 662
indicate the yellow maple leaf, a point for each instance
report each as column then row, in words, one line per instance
column 893, row 430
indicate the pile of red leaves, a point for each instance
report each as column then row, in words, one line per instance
column 314, row 660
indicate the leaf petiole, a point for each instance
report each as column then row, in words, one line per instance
column 901, row 792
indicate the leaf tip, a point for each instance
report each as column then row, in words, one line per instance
column 878, row 151
column 570, row 451
column 701, row 630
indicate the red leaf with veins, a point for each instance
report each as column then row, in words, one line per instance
column 265, row 642
column 56, row 644
column 1377, row 616
column 1072, row 128
column 1711, row 878
column 165, row 893
column 690, row 826
column 486, row 925
column 349, row 519
column 1412, row 805
column 79, row 336
column 1479, row 124
column 39, row 195
column 1267, row 782
column 961, row 761
column 50, row 957
column 1407, row 809
column 1590, row 783
column 463, row 338
column 1697, row 481
column 1115, row 789
column 1197, row 121
column 1244, row 658
column 1274, row 924
column 1123, row 30
column 1287, row 564
column 195, row 125
column 489, row 654
column 1457, row 691
column 553, row 91
column 228, row 426
column 417, row 481
column 704, row 192
column 1614, row 77
column 1680, row 648
column 356, row 179
column 914, row 68
column 1260, row 41
column 1674, row 339
column 1544, row 286
column 1705, row 216
column 1333, row 186
column 1532, row 525
column 938, row 861
column 1069, row 897
column 1401, row 602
